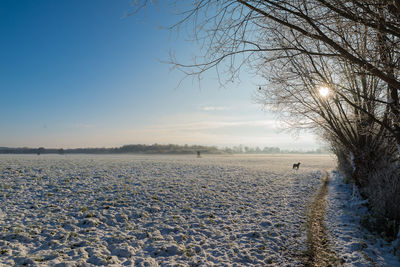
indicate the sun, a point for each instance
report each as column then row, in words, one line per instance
column 324, row 91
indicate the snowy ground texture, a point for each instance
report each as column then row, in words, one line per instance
column 354, row 245
column 76, row 210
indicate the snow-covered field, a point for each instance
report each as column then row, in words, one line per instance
column 71, row 210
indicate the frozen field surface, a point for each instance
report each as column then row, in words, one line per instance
column 354, row 245
column 83, row 210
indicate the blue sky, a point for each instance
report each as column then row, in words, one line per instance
column 81, row 74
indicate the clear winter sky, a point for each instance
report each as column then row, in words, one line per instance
column 80, row 74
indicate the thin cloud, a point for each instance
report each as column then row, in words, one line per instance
column 214, row 108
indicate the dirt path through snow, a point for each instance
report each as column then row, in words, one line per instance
column 319, row 253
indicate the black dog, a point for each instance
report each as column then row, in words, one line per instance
column 296, row 166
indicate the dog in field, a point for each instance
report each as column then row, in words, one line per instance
column 296, row 166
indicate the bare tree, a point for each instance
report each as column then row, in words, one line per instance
column 328, row 94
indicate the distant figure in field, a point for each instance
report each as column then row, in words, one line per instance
column 296, row 166
column 198, row 154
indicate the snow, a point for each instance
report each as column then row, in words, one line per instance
column 354, row 245
column 69, row 210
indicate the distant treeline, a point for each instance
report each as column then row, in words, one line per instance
column 270, row 150
column 137, row 149
column 158, row 149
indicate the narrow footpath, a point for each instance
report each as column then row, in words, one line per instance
column 318, row 251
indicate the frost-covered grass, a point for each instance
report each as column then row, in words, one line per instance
column 354, row 245
column 151, row 210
